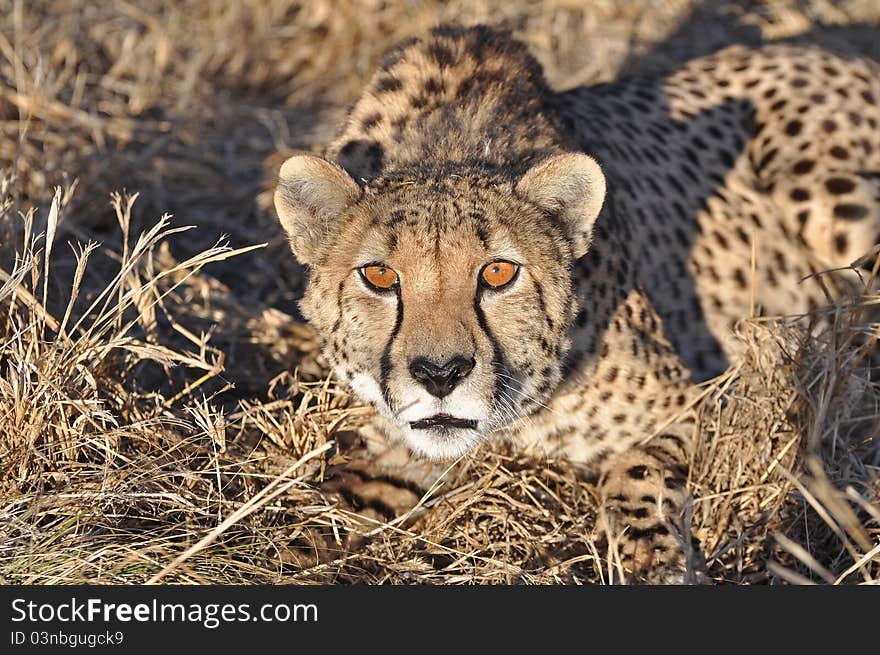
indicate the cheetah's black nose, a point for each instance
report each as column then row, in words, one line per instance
column 441, row 379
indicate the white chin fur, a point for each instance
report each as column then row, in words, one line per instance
column 438, row 444
column 431, row 443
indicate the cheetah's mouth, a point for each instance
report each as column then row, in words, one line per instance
column 443, row 421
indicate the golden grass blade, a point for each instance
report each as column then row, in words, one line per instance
column 51, row 227
column 82, row 259
column 12, row 285
column 262, row 498
column 801, row 553
column 872, row 554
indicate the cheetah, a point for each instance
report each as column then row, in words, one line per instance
column 489, row 256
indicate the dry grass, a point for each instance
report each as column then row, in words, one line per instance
column 163, row 414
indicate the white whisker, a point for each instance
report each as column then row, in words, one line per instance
column 525, row 395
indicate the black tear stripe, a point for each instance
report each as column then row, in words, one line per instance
column 385, row 364
column 498, row 363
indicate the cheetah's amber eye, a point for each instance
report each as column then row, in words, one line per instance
column 498, row 274
column 379, row 276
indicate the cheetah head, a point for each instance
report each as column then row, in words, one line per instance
column 445, row 304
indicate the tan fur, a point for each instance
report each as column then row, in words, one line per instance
column 572, row 187
column 311, row 194
column 461, row 155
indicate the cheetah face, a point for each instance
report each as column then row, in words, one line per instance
column 445, row 306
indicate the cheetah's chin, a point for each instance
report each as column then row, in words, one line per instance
column 443, row 441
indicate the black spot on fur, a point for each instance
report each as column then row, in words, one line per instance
column 639, row 472
column 850, row 212
column 388, row 84
column 371, row 121
column 799, row 195
column 839, row 185
column 434, row 86
column 441, row 54
column 361, row 158
column 647, row 533
column 674, row 482
column 768, row 157
column 803, row 167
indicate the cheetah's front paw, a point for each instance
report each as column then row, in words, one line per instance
column 647, row 521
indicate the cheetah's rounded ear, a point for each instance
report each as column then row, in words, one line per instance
column 311, row 195
column 572, row 187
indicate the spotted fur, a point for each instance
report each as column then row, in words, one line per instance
column 458, row 153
